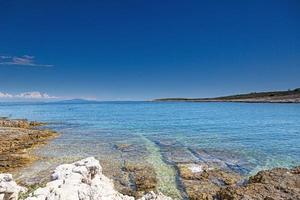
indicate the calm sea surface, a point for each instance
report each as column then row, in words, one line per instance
column 256, row 136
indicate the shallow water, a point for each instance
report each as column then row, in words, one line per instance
column 250, row 136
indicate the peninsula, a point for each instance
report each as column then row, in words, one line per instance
column 289, row 96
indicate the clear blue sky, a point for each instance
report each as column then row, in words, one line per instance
column 135, row 50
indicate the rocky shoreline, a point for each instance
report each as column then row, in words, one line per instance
column 81, row 180
column 17, row 138
column 201, row 175
column 84, row 180
column 203, row 183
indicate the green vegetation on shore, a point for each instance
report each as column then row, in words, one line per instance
column 289, row 96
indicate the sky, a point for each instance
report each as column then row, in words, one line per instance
column 140, row 50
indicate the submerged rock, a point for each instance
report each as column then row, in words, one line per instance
column 134, row 177
column 142, row 177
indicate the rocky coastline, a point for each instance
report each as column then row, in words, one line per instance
column 81, row 180
column 199, row 177
column 84, row 180
column 17, row 138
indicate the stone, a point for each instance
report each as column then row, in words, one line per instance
column 16, row 138
column 9, row 190
column 83, row 180
column 275, row 184
column 202, row 182
column 153, row 196
column 142, row 177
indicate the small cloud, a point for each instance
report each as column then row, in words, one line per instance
column 34, row 95
column 5, row 95
column 27, row 95
column 25, row 60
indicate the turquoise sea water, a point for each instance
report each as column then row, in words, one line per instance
column 256, row 136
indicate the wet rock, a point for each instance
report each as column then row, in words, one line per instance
column 17, row 137
column 277, row 184
column 19, row 123
column 203, row 182
column 174, row 152
column 222, row 159
column 124, row 147
column 9, row 190
column 142, row 177
column 152, row 196
column 134, row 178
column 131, row 151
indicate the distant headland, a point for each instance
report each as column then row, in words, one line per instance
column 289, row 96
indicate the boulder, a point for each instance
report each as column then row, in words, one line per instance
column 9, row 190
column 153, row 196
column 203, row 182
column 83, row 180
column 275, row 184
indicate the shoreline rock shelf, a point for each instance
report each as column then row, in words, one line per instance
column 202, row 183
column 84, row 180
column 81, row 180
column 17, row 138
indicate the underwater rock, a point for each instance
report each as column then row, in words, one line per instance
column 135, row 177
column 173, row 151
column 222, row 159
column 142, row 177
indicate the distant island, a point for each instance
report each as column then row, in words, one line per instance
column 289, row 96
column 76, row 101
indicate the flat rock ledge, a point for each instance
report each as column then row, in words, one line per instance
column 204, row 183
column 82, row 180
column 17, row 138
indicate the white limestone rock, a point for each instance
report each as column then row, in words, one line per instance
column 82, row 180
column 9, row 190
column 153, row 196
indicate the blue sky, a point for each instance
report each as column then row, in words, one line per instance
column 136, row 50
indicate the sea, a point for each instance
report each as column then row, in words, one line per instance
column 250, row 136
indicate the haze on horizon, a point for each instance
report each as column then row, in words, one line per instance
column 141, row 50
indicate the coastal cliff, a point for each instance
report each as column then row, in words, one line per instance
column 290, row 96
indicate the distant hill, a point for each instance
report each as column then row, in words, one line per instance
column 75, row 101
column 289, row 96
